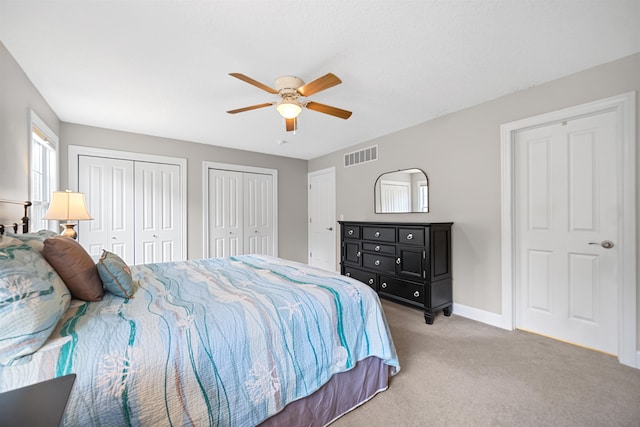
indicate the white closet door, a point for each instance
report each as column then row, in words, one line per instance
column 225, row 213
column 158, row 235
column 258, row 213
column 108, row 186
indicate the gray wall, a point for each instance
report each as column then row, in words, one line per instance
column 460, row 153
column 292, row 178
column 17, row 97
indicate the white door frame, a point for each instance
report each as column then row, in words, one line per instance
column 331, row 170
column 625, row 109
column 79, row 150
column 206, row 165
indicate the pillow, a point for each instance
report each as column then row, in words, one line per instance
column 115, row 274
column 33, row 298
column 74, row 265
column 35, row 238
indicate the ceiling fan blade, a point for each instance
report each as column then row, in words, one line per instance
column 253, row 82
column 253, row 107
column 327, row 109
column 322, row 83
column 292, row 124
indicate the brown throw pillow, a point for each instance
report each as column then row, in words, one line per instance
column 75, row 267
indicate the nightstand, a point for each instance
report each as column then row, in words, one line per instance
column 37, row 405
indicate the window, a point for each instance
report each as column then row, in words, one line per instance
column 44, row 172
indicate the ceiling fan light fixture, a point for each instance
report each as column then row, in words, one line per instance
column 289, row 108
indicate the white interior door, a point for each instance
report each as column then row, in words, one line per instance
column 225, row 215
column 258, row 213
column 158, row 236
column 108, row 187
column 322, row 219
column 566, row 212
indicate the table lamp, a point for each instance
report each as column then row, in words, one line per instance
column 68, row 206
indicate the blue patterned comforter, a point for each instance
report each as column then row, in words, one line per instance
column 220, row 341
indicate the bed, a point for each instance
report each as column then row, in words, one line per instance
column 239, row 341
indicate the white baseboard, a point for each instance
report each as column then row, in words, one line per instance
column 496, row 320
column 487, row 317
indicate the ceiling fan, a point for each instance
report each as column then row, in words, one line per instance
column 291, row 89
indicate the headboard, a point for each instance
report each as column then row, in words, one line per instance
column 24, row 222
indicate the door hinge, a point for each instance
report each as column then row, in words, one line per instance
column 310, row 254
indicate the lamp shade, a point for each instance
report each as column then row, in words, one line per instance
column 289, row 109
column 69, row 206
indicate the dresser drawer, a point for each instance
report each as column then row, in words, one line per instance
column 413, row 292
column 379, row 262
column 363, row 276
column 351, row 231
column 375, row 247
column 411, row 236
column 380, row 234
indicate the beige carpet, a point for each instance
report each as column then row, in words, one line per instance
column 458, row 372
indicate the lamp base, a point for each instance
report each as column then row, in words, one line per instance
column 69, row 231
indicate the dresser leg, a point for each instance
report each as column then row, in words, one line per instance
column 447, row 311
column 428, row 318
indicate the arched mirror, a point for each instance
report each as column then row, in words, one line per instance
column 402, row 191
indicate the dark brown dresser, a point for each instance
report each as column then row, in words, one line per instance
column 408, row 263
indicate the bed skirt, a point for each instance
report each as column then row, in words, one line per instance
column 342, row 393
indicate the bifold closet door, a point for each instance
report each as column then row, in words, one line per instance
column 158, row 236
column 108, row 185
column 240, row 213
column 225, row 213
column 258, row 213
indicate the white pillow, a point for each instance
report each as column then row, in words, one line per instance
column 33, row 298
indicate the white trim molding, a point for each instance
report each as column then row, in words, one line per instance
column 206, row 165
column 478, row 315
column 625, row 108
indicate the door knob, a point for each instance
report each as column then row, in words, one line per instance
column 607, row 244
column 330, row 228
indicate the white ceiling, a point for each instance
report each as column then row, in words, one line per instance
column 161, row 67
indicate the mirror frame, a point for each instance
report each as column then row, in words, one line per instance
column 376, row 191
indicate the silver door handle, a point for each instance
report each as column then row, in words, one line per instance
column 607, row 244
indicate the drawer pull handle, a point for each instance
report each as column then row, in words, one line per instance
column 358, row 254
column 416, row 294
column 348, row 274
column 371, row 281
column 350, row 232
column 377, row 234
column 409, row 236
column 384, row 285
column 377, row 249
column 398, row 261
column 377, row 262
